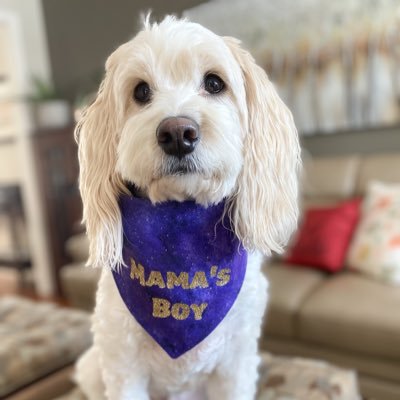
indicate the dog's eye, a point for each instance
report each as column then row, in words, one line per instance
column 213, row 84
column 142, row 93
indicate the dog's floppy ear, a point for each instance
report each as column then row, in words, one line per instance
column 264, row 209
column 97, row 135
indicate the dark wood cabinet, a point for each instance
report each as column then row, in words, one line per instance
column 57, row 165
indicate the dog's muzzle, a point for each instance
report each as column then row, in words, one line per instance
column 178, row 136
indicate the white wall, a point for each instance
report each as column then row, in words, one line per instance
column 30, row 58
column 31, row 21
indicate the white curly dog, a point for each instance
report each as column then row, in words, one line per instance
column 233, row 139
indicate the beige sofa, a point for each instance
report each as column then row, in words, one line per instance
column 348, row 319
column 345, row 318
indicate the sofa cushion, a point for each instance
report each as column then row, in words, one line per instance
column 37, row 339
column 331, row 178
column 289, row 378
column 383, row 167
column 351, row 312
column 289, row 286
column 381, row 368
column 324, row 236
column 79, row 285
column 77, row 247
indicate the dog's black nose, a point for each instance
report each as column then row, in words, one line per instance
column 178, row 136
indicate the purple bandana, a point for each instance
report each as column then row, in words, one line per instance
column 185, row 270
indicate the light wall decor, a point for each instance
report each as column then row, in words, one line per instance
column 336, row 63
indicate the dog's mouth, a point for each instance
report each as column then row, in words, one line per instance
column 170, row 166
column 174, row 166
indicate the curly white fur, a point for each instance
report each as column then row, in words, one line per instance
column 248, row 154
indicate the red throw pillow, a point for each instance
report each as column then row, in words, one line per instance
column 324, row 236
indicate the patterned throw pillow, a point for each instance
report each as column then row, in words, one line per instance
column 375, row 249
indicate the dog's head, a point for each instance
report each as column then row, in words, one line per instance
column 185, row 114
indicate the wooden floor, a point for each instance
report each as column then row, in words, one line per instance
column 8, row 281
column 11, row 284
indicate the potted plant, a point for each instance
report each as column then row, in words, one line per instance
column 50, row 110
column 87, row 92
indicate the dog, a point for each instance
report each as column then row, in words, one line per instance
column 233, row 140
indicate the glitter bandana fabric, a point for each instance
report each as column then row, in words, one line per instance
column 185, row 270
